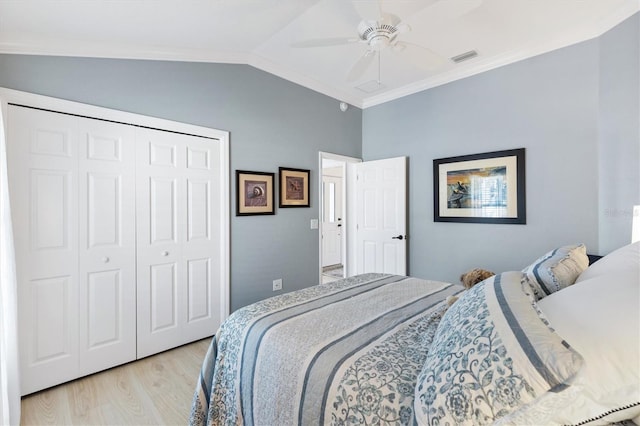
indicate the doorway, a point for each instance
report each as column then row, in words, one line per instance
column 334, row 223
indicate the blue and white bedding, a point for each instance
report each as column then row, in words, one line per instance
column 346, row 352
column 388, row 350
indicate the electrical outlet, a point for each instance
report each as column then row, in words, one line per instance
column 277, row 284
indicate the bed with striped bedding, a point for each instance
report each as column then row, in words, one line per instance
column 347, row 352
column 388, row 350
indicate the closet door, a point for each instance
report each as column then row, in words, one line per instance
column 43, row 179
column 178, row 255
column 201, row 248
column 107, row 288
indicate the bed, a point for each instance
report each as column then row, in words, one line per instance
column 555, row 343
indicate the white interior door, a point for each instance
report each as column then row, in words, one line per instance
column 107, row 225
column 43, row 178
column 381, row 200
column 178, row 239
column 332, row 220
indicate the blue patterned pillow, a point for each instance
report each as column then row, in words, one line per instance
column 492, row 354
column 557, row 269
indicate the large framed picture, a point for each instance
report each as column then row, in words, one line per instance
column 254, row 193
column 294, row 187
column 481, row 188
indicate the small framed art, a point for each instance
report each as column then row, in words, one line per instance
column 480, row 188
column 255, row 193
column 294, row 187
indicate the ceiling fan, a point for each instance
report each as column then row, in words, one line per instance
column 380, row 34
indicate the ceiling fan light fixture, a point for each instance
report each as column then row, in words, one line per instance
column 378, row 35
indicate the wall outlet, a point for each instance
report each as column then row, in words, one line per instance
column 277, row 284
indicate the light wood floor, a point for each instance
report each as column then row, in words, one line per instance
column 153, row 391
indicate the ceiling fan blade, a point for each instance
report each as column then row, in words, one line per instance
column 323, row 42
column 361, row 65
column 420, row 56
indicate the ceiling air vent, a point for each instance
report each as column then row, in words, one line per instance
column 464, row 56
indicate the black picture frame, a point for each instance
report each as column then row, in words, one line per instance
column 254, row 193
column 481, row 188
column 293, row 186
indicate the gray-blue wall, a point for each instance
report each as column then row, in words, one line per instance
column 271, row 122
column 575, row 110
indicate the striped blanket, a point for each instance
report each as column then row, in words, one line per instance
column 346, row 352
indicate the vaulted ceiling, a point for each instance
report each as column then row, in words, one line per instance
column 363, row 52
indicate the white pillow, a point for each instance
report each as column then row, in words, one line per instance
column 600, row 316
column 626, row 258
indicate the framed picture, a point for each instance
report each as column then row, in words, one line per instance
column 480, row 188
column 255, row 193
column 294, row 187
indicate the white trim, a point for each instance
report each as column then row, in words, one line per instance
column 45, row 102
column 70, row 107
column 348, row 224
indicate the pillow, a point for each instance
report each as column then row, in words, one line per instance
column 557, row 269
column 600, row 316
column 491, row 354
column 625, row 258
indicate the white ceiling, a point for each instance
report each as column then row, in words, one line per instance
column 261, row 33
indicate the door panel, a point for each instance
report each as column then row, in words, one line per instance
column 104, row 308
column 198, row 290
column 164, row 303
column 381, row 216
column 106, row 170
column 43, row 184
column 50, row 304
column 201, row 248
column 199, row 209
column 178, row 250
column 163, row 210
column 50, row 194
column 160, row 195
column 104, row 193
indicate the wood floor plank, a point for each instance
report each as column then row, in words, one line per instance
column 156, row 390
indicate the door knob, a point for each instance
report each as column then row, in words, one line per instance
column 399, row 237
column 105, row 259
column 165, row 253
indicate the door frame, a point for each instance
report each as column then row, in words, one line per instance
column 8, row 96
column 348, row 224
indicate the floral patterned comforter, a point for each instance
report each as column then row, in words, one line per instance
column 347, row 352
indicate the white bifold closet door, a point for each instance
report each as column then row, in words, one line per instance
column 178, row 241
column 74, row 215
column 107, row 239
column 118, row 241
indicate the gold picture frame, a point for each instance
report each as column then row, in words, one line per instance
column 294, row 187
column 254, row 193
